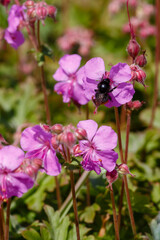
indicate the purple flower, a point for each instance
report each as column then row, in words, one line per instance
column 12, row 35
column 15, row 39
column 37, row 143
column 97, row 150
column 12, row 183
column 118, row 76
column 70, row 79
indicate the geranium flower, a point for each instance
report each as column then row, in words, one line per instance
column 37, row 143
column 15, row 39
column 70, row 79
column 97, row 150
column 12, row 183
column 119, row 75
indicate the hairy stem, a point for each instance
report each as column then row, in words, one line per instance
column 124, row 177
column 116, row 228
column 7, row 220
column 43, row 84
column 74, row 197
column 157, row 60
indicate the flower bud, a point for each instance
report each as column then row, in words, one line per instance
column 68, row 139
column 54, row 141
column 57, row 128
column 29, row 4
column 46, row 127
column 141, row 60
column 41, row 12
column 133, row 48
column 51, row 11
column 123, row 169
column 112, row 177
column 134, row 105
column 138, row 74
column 81, row 133
column 31, row 14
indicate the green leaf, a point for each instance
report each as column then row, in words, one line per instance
column 40, row 58
column 145, row 116
column 31, row 234
column 47, row 51
column 89, row 213
column 45, row 235
column 70, row 166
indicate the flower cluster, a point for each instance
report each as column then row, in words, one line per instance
column 15, row 20
column 77, row 36
column 39, row 11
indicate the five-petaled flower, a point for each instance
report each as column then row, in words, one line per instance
column 97, row 150
column 70, row 79
column 37, row 142
column 118, row 76
column 12, row 183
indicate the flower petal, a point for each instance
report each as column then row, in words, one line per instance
column 105, row 138
column 60, row 75
column 65, row 89
column 121, row 95
column 89, row 87
column 34, row 138
column 95, row 68
column 90, row 165
column 90, row 126
column 11, row 157
column 51, row 164
column 108, row 159
column 120, row 73
column 79, row 94
column 70, row 63
column 17, row 184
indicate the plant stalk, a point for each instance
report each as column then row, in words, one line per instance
column 116, row 228
column 124, row 177
column 1, row 223
column 48, row 118
column 7, row 220
column 74, row 197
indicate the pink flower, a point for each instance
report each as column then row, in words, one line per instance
column 118, row 76
column 12, row 34
column 15, row 39
column 37, row 143
column 70, row 79
column 97, row 150
column 11, row 182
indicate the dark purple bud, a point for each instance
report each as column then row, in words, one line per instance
column 112, row 177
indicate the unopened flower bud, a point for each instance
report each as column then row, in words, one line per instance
column 29, row 4
column 141, row 60
column 123, row 169
column 138, row 74
column 68, row 139
column 41, row 12
column 37, row 163
column 46, row 127
column 111, row 177
column 57, row 128
column 134, row 105
column 133, row 48
column 81, row 133
column 54, row 141
column 51, row 11
column 31, row 14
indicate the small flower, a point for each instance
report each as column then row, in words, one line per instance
column 97, row 150
column 12, row 183
column 37, row 143
column 15, row 39
column 118, row 76
column 70, row 79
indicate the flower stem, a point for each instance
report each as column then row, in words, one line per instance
column 124, row 177
column 120, row 204
column 74, row 197
column 87, row 180
column 129, row 20
column 116, row 228
column 127, row 135
column 1, row 223
column 7, row 220
column 157, row 59
column 48, row 118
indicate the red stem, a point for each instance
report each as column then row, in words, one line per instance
column 116, row 228
column 1, row 223
column 7, row 220
column 130, row 25
column 124, row 177
column 157, row 59
column 127, row 135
